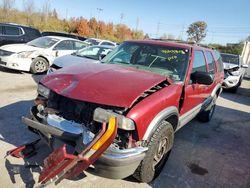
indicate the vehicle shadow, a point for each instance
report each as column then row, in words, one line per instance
column 193, row 144
column 38, row 77
column 205, row 154
column 3, row 69
column 241, row 97
column 13, row 132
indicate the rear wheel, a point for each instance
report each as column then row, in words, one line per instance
column 39, row 65
column 159, row 147
column 207, row 114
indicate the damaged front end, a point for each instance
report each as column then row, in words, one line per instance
column 82, row 134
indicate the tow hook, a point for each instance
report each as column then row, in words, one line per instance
column 24, row 151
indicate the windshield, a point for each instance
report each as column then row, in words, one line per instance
column 93, row 52
column 230, row 58
column 165, row 60
column 92, row 41
column 43, row 42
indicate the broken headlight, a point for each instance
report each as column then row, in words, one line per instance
column 102, row 115
column 235, row 73
column 42, row 90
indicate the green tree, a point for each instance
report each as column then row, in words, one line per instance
column 197, row 31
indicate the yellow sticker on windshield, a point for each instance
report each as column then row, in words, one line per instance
column 165, row 51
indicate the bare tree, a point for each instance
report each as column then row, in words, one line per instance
column 46, row 11
column 7, row 6
column 29, row 7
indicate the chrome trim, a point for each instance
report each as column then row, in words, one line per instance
column 188, row 116
column 63, row 124
column 159, row 117
column 218, row 86
column 114, row 153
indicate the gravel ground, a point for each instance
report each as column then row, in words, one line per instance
column 214, row 154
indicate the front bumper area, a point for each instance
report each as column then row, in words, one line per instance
column 11, row 62
column 118, row 164
column 113, row 163
column 231, row 81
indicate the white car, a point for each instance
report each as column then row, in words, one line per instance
column 37, row 55
column 91, row 54
column 233, row 71
column 94, row 41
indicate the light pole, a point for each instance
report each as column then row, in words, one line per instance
column 99, row 10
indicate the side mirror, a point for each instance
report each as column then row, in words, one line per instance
column 101, row 56
column 200, row 77
column 244, row 66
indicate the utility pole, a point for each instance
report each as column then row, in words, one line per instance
column 66, row 13
column 137, row 24
column 98, row 10
column 158, row 29
column 182, row 31
column 122, row 16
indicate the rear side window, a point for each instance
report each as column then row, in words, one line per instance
column 33, row 33
column 1, row 30
column 65, row 45
column 79, row 45
column 211, row 63
column 107, row 43
column 9, row 30
column 199, row 63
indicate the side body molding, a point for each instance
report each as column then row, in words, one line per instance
column 217, row 87
column 164, row 114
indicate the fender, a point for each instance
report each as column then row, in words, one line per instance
column 162, row 115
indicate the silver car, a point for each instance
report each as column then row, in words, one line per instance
column 234, row 71
column 91, row 54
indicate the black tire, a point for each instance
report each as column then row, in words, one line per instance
column 149, row 167
column 233, row 89
column 39, row 65
column 207, row 114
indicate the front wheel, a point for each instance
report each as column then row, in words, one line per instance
column 39, row 65
column 159, row 147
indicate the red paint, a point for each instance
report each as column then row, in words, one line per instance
column 102, row 83
column 145, row 111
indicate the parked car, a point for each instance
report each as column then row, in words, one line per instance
column 37, row 55
column 62, row 34
column 94, row 41
column 15, row 33
column 234, row 71
column 91, row 54
column 120, row 116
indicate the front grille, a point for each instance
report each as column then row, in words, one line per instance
column 2, row 62
column 75, row 110
column 5, row 53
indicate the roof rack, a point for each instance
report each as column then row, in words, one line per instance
column 174, row 40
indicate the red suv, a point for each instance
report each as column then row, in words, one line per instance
column 118, row 118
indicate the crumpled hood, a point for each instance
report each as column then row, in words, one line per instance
column 69, row 60
column 228, row 66
column 106, row 84
column 18, row 48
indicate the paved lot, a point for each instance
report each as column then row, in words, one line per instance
column 216, row 154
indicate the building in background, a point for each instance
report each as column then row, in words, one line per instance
column 246, row 57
